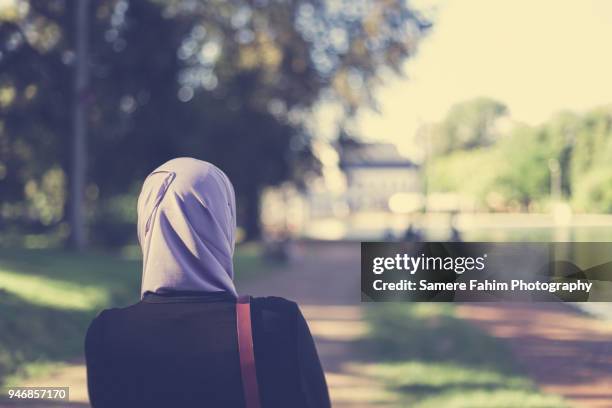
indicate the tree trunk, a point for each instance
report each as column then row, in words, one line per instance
column 78, row 235
column 251, row 223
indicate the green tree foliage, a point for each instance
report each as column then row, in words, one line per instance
column 593, row 192
column 465, row 171
column 522, row 167
column 593, row 145
column 468, row 125
column 523, row 175
column 231, row 82
column 591, row 163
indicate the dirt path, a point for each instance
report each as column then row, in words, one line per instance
column 324, row 279
column 563, row 350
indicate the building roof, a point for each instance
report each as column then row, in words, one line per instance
column 373, row 155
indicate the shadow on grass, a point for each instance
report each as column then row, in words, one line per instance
column 118, row 276
column 430, row 332
column 47, row 300
column 31, row 333
column 430, row 358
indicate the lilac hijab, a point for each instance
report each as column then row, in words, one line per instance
column 186, row 228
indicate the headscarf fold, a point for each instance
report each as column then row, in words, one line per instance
column 186, row 228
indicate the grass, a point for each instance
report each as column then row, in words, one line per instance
column 429, row 358
column 48, row 297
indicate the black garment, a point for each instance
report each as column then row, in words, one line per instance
column 181, row 351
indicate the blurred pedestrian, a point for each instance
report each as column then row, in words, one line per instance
column 455, row 234
column 412, row 234
column 389, row 235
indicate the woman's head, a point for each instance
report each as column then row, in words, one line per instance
column 186, row 228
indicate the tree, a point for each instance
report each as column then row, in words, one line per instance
column 468, row 125
column 35, row 82
column 524, row 174
column 590, row 166
column 79, row 120
column 227, row 81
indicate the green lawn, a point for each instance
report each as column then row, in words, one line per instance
column 48, row 297
column 429, row 358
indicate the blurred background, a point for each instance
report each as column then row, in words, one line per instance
column 337, row 121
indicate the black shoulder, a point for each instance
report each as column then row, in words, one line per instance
column 275, row 313
column 275, row 304
column 95, row 331
column 97, row 324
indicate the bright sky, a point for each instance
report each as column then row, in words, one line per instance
column 537, row 56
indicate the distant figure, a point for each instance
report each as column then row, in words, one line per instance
column 278, row 248
column 191, row 342
column 455, row 235
column 412, row 234
column 388, row 235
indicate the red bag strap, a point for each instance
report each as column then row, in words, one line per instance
column 247, row 354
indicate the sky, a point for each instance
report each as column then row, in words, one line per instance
column 536, row 56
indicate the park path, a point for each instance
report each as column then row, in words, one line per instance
column 324, row 278
column 565, row 351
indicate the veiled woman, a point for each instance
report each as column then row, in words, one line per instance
column 178, row 346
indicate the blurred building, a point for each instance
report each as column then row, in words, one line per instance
column 377, row 176
column 357, row 180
